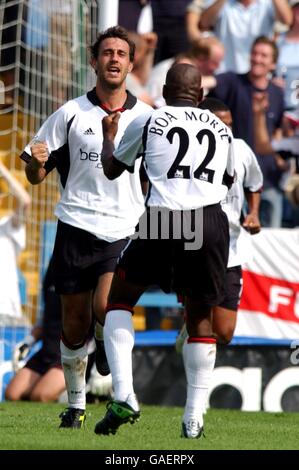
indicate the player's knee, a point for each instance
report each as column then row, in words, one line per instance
column 79, row 321
column 225, row 335
column 42, row 396
column 11, row 394
column 100, row 310
column 76, row 331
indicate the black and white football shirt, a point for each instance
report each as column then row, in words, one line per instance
column 188, row 154
column 108, row 209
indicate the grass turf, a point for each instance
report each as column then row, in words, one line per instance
column 34, row 426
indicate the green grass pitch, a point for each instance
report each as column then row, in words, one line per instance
column 34, row 426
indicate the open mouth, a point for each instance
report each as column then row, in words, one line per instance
column 113, row 71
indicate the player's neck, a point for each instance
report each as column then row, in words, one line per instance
column 112, row 99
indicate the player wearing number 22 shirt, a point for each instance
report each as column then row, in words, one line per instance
column 189, row 159
column 187, row 153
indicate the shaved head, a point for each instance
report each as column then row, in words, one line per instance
column 183, row 82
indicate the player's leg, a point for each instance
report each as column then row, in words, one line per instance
column 25, row 380
column 99, row 307
column 199, row 354
column 20, row 387
column 119, row 343
column 200, row 276
column 72, row 257
column 225, row 314
column 129, row 282
column 104, row 273
column 224, row 324
column 119, row 334
column 49, row 387
column 76, row 319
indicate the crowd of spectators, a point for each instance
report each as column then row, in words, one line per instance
column 241, row 47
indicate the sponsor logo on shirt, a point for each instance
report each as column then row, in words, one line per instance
column 88, row 131
column 92, row 157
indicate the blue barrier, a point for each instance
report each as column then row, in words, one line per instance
column 22, row 287
column 168, row 337
column 158, row 299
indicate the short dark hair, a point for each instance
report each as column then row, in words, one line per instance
column 113, row 32
column 183, row 81
column 269, row 42
column 214, row 105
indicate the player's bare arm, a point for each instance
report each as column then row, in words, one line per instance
column 252, row 222
column 110, row 126
column 35, row 170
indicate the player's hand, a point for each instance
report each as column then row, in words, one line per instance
column 260, row 102
column 39, row 153
column 151, row 40
column 110, row 125
column 21, row 351
column 252, row 224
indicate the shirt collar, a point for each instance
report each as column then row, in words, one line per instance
column 184, row 103
column 128, row 104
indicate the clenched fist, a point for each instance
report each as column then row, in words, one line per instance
column 39, row 153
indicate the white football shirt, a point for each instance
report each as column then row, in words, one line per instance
column 187, row 153
column 248, row 177
column 108, row 209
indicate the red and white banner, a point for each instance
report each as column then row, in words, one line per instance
column 270, row 301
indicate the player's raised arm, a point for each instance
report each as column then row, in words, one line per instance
column 110, row 125
column 115, row 161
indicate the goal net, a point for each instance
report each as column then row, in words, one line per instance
column 44, row 61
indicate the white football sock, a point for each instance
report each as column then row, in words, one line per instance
column 119, row 343
column 199, row 360
column 74, row 363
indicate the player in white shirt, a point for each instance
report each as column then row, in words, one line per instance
column 188, row 156
column 247, row 185
column 94, row 215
